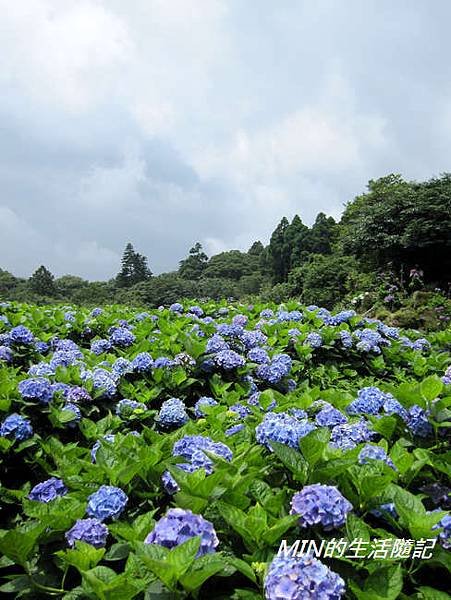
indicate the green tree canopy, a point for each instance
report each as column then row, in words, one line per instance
column 42, row 282
column 194, row 264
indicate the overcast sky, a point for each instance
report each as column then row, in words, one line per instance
column 164, row 122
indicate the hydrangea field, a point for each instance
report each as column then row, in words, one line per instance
column 172, row 453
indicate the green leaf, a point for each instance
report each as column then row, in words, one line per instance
column 292, row 460
column 428, row 593
column 82, row 557
column 181, row 557
column 313, row 445
column 356, row 528
column 18, row 544
column 431, row 387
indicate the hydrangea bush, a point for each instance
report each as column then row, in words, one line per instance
column 167, row 453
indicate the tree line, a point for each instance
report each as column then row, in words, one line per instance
column 396, row 227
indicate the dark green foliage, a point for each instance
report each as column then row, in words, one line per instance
column 229, row 265
column 401, row 223
column 42, row 282
column 134, row 268
column 324, row 280
column 194, row 265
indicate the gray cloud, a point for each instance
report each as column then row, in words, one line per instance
column 164, row 123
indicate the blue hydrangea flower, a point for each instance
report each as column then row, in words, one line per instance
column 48, row 490
column 78, row 394
column 100, row 346
column 90, row 531
column 6, row 354
column 346, row 339
column 162, row 362
column 241, row 410
column 319, row 504
column 283, row 428
column 216, row 343
column 229, row 359
column 103, row 380
column 348, row 435
column 41, row 347
column 18, row 426
column 203, row 401
column 234, row 429
column 192, row 447
column 447, row 376
column 178, row 526
column 184, row 360
column 121, row 366
column 369, row 401
column 369, row 340
column 41, row 369
column 36, row 388
column 142, row 362
column 417, row 421
column 391, row 406
column 314, row 340
column 298, row 413
column 176, row 307
column 301, row 578
column 65, row 358
column 122, row 337
column 96, row 312
column 21, row 335
column 278, row 368
column 125, row 407
column 371, row 452
column 107, row 502
column 329, row 416
column 172, row 413
column 196, row 310
column 421, row 344
column 445, row 535
column 390, row 332
column 259, row 356
column 253, row 339
column 109, row 438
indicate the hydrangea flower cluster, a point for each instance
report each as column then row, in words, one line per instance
column 203, row 401
column 90, row 531
column 371, row 452
column 178, row 526
column 319, row 504
column 192, row 448
column 172, row 413
column 314, row 340
column 346, row 339
column 48, row 490
column 176, row 307
column 234, row 429
column 283, row 428
column 122, row 337
column 100, row 346
column 418, row 423
column 228, row 360
column 253, row 339
column 216, row 344
column 370, row 401
column 299, row 578
column 259, row 356
column 369, row 340
column 37, row 388
column 108, row 502
column 142, row 362
column 329, row 416
column 121, row 366
column 16, row 425
column 21, row 335
column 6, row 354
column 349, row 435
column 78, row 394
column 276, row 370
column 447, row 376
column 196, row 310
column 103, row 380
column 445, row 535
